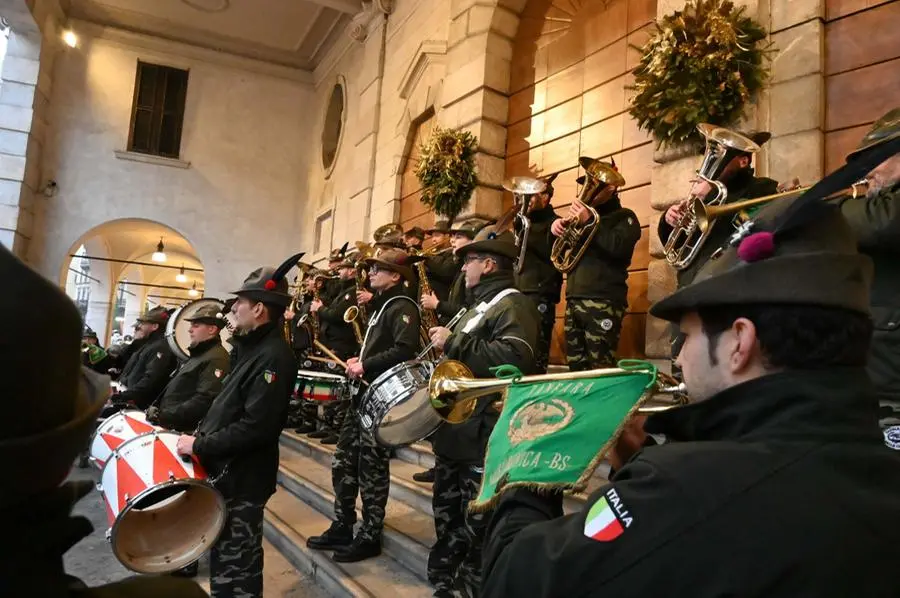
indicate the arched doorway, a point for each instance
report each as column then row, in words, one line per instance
column 115, row 271
column 571, row 66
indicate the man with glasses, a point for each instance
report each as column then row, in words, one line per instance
column 501, row 329
column 360, row 465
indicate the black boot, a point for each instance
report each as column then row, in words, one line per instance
column 426, row 476
column 335, row 537
column 330, row 439
column 317, row 434
column 359, row 550
column 305, row 429
column 189, row 571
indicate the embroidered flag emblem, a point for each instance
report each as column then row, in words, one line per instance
column 601, row 523
column 217, row 373
column 269, row 376
column 405, row 318
column 159, row 354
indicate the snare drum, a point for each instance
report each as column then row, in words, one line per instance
column 162, row 512
column 114, row 431
column 320, row 386
column 396, row 410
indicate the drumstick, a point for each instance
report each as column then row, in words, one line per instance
column 319, row 359
column 334, row 357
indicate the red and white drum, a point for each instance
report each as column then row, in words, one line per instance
column 163, row 514
column 114, row 431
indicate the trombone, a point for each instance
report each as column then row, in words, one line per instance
column 454, row 392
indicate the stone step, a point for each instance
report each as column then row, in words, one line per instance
column 403, row 487
column 289, row 522
column 408, row 532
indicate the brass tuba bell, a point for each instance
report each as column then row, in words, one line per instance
column 523, row 188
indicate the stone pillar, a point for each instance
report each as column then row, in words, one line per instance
column 476, row 89
column 134, row 306
column 796, row 149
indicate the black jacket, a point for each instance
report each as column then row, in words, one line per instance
column 507, row 334
column 457, row 298
column 195, row 384
column 147, row 371
column 538, row 276
column 777, row 487
column 441, row 270
column 876, row 222
column 742, row 185
column 34, row 567
column 336, row 334
column 602, row 272
column 393, row 333
column 242, row 427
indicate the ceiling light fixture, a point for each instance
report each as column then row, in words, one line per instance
column 159, row 256
column 180, row 277
column 194, row 292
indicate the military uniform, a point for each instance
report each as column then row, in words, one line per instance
column 539, row 280
column 237, row 441
column 458, row 295
column 725, row 509
column 361, row 466
column 48, row 419
column 597, row 289
column 149, row 368
column 502, row 329
column 338, row 336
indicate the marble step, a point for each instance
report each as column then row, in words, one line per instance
column 408, row 532
column 289, row 522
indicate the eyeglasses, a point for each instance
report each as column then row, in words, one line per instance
column 476, row 258
column 375, row 269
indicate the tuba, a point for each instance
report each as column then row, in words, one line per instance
column 454, row 393
column 600, row 184
column 686, row 239
column 523, row 189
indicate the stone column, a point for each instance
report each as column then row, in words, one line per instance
column 795, row 150
column 476, row 89
column 134, row 306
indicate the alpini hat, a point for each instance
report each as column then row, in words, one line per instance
column 269, row 285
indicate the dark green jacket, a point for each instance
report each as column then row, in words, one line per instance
column 507, row 334
column 457, row 298
column 393, row 333
column 538, row 276
column 441, row 270
column 147, row 371
column 602, row 272
column 336, row 334
column 876, row 222
column 194, row 386
column 742, row 186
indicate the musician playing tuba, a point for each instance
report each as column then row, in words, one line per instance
column 501, row 328
column 597, row 287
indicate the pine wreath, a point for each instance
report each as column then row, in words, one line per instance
column 446, row 170
column 704, row 64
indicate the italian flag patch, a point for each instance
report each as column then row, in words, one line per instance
column 269, row 376
column 601, row 523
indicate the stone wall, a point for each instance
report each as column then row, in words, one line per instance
column 237, row 193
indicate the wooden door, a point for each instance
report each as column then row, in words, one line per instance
column 572, row 62
column 412, row 211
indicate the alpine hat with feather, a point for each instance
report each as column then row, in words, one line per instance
column 269, row 285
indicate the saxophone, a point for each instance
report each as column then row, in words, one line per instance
column 428, row 316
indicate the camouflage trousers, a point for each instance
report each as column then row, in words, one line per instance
column 360, row 466
column 592, row 333
column 547, row 309
column 333, row 414
column 236, row 559
column 455, row 558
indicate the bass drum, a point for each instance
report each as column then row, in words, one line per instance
column 177, row 329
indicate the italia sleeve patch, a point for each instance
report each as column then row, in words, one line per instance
column 405, row 318
column 607, row 518
column 269, row 376
column 217, row 373
column 159, row 354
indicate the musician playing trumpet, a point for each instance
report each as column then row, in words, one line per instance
column 597, row 286
column 500, row 329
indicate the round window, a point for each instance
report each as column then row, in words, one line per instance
column 334, row 126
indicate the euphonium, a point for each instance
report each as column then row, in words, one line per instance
column 454, row 393
column 601, row 182
column 351, row 316
column 686, row 239
column 523, row 189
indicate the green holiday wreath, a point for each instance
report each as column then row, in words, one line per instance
column 446, row 170
column 704, row 64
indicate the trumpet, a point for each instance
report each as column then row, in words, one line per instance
column 601, row 182
column 454, row 392
column 351, row 316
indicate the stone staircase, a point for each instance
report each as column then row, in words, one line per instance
column 304, row 505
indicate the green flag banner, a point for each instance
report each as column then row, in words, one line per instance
column 553, row 434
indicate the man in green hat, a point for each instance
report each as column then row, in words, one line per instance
column 501, row 329
column 777, row 470
column 51, row 406
column 237, row 441
column 414, row 237
column 149, row 368
column 361, row 466
column 875, row 219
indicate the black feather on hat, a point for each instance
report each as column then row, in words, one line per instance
column 270, row 286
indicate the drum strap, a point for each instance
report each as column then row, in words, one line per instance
column 483, row 307
column 377, row 317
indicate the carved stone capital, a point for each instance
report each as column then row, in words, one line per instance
column 362, row 21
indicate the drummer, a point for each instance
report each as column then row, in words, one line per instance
column 502, row 329
column 359, row 463
column 237, row 441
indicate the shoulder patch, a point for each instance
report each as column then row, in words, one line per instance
column 269, row 376
column 892, row 438
column 607, row 518
column 217, row 373
column 405, row 318
column 159, row 354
